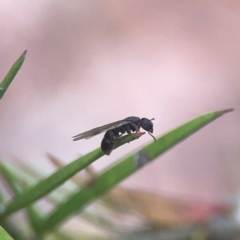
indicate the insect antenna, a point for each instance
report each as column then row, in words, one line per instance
column 152, row 136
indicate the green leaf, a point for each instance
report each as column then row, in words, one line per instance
column 33, row 215
column 11, row 74
column 1, row 198
column 27, row 174
column 10, row 179
column 121, row 170
column 4, row 235
column 59, row 177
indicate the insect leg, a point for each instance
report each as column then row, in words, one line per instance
column 120, row 134
column 135, row 126
column 128, row 129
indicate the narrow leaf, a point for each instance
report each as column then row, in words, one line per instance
column 11, row 74
column 125, row 168
column 10, row 179
column 1, row 196
column 34, row 217
column 4, row 235
column 59, row 177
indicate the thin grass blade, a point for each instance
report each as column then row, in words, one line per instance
column 4, row 235
column 10, row 179
column 121, row 170
column 48, row 184
column 11, row 74
column 33, row 215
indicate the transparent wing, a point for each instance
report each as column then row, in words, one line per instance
column 98, row 130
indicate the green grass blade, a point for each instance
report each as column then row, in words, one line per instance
column 27, row 174
column 1, row 201
column 4, row 235
column 123, row 169
column 11, row 74
column 1, row 197
column 56, row 179
column 10, row 179
column 33, row 215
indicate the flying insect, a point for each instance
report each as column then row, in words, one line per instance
column 116, row 129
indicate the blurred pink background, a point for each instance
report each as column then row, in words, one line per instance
column 92, row 63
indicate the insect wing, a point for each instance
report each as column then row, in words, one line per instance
column 98, row 130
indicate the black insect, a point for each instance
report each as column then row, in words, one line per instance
column 116, row 129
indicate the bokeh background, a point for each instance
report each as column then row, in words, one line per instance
column 92, row 63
